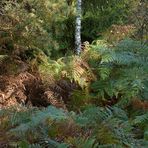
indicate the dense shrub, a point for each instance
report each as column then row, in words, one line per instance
column 34, row 24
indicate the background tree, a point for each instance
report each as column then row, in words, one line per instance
column 78, row 27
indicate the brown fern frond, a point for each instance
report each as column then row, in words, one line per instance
column 82, row 71
column 138, row 104
column 52, row 98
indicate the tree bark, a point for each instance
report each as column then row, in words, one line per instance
column 78, row 28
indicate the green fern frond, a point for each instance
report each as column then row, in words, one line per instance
column 35, row 146
column 46, row 142
column 38, row 117
column 110, row 146
column 131, row 45
column 141, row 120
column 23, row 144
column 84, row 143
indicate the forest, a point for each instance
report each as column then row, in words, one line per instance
column 73, row 74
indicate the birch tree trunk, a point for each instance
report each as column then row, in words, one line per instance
column 78, row 28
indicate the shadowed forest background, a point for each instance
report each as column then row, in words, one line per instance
column 51, row 97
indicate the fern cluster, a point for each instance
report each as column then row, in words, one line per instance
column 95, row 100
column 94, row 128
column 101, row 89
column 105, row 75
column 121, row 71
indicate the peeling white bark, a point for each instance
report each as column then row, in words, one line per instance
column 78, row 28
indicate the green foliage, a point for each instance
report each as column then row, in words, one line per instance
column 98, row 15
column 107, row 75
column 122, row 71
column 84, row 143
column 100, row 127
column 50, row 26
column 72, row 68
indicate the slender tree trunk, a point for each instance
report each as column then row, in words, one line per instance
column 78, row 28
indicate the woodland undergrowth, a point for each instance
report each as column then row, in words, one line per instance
column 52, row 98
column 97, row 99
